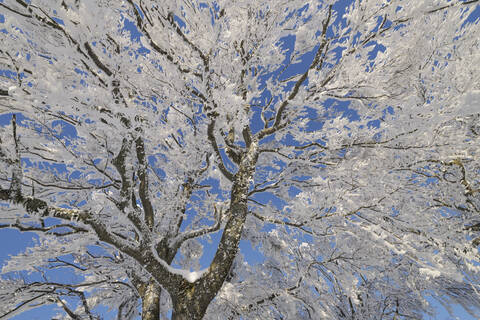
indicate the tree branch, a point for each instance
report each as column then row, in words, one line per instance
column 76, row 229
column 316, row 61
column 213, row 141
column 280, row 222
column 176, row 242
column 143, row 189
column 156, row 47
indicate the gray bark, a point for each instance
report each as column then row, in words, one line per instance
column 191, row 300
column 151, row 301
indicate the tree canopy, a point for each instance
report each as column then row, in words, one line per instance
column 143, row 141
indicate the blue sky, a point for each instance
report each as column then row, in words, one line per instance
column 13, row 241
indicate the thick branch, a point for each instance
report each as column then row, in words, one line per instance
column 38, row 207
column 17, row 172
column 143, row 189
column 208, row 286
column 213, row 141
column 127, row 184
column 96, row 60
column 147, row 258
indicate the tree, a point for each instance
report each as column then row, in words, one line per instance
column 341, row 140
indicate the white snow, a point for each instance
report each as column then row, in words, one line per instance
column 190, row 276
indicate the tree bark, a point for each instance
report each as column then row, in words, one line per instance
column 151, row 301
column 191, row 301
column 183, row 310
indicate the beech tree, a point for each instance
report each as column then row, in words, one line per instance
column 340, row 140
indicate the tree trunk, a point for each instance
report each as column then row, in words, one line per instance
column 151, row 301
column 188, row 310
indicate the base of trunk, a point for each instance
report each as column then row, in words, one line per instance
column 151, row 302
